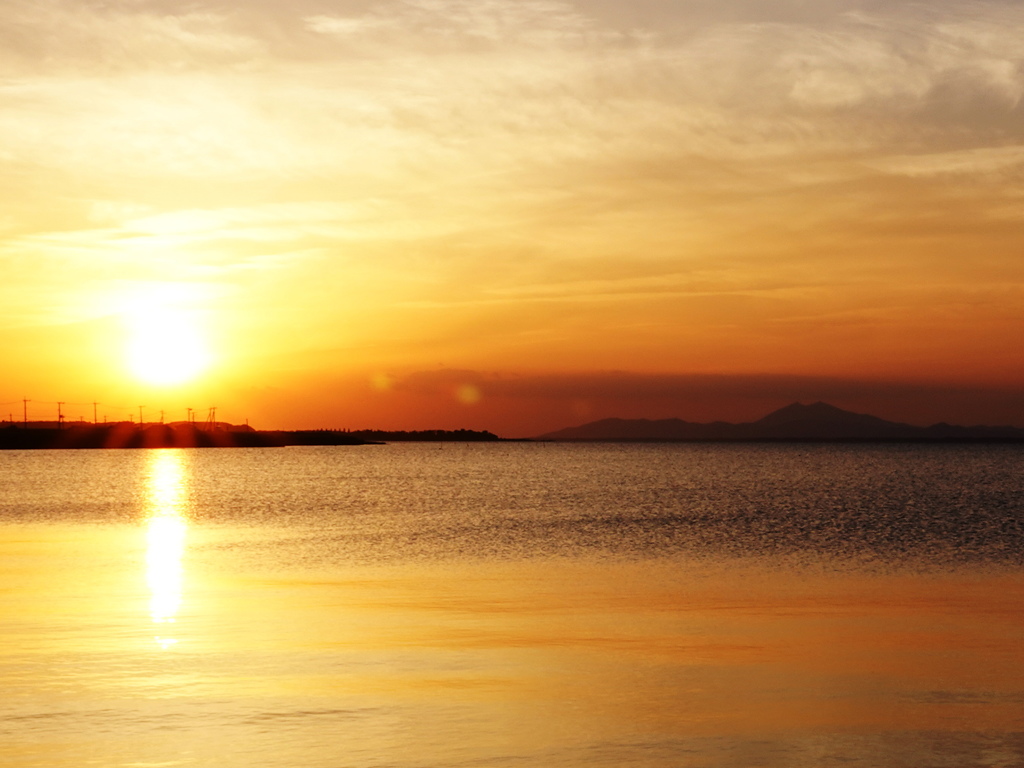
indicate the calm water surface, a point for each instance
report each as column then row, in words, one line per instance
column 413, row 606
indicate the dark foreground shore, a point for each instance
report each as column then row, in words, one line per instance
column 161, row 436
column 193, row 436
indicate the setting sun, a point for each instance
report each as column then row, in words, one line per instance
column 165, row 346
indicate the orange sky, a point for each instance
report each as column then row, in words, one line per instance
column 513, row 215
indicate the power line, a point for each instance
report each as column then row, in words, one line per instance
column 119, row 411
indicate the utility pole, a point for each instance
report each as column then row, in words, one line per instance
column 94, row 404
column 140, row 414
column 161, row 417
column 60, row 416
column 24, row 411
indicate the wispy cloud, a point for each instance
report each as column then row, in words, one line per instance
column 465, row 24
column 449, row 81
column 57, row 36
column 980, row 162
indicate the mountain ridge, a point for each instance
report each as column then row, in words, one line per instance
column 818, row 422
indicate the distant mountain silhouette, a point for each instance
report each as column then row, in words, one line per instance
column 815, row 422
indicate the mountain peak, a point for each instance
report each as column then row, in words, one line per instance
column 818, row 411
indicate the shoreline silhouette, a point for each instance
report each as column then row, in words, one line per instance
column 83, row 435
column 814, row 423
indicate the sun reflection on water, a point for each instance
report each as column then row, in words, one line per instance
column 165, row 537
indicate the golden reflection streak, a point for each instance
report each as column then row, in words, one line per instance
column 165, row 536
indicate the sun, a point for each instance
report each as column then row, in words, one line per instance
column 165, row 346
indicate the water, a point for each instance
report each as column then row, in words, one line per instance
column 414, row 606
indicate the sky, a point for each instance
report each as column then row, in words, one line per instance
column 514, row 215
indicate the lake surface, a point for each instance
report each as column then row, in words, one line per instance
column 418, row 606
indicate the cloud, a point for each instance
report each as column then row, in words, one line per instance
column 589, row 396
column 984, row 161
column 425, row 85
column 54, row 36
column 455, row 24
column 349, row 26
column 617, row 385
column 692, row 182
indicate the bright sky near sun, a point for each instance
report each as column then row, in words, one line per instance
column 512, row 214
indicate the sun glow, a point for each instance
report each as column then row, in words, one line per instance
column 165, row 346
